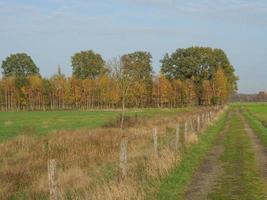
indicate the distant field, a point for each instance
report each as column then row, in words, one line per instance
column 259, row 111
column 42, row 122
column 39, row 123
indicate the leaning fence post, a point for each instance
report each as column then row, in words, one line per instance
column 203, row 120
column 123, row 157
column 191, row 125
column 52, row 179
column 177, row 137
column 211, row 115
column 198, row 123
column 155, row 141
column 185, row 131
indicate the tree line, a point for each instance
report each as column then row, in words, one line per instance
column 189, row 76
column 259, row 97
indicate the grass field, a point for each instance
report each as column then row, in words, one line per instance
column 88, row 159
column 225, row 159
column 39, row 123
column 259, row 110
column 254, row 114
column 43, row 122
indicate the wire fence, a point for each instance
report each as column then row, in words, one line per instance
column 146, row 153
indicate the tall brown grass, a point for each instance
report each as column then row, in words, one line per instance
column 87, row 160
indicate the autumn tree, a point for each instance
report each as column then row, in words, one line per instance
column 220, row 87
column 177, row 92
column 59, row 87
column 87, row 97
column 123, row 82
column 189, row 76
column 222, row 62
column 74, row 92
column 104, row 86
column 190, row 92
column 162, row 91
column 261, row 96
column 207, row 93
column 138, row 94
column 87, row 64
column 9, row 89
column 18, row 67
column 35, row 92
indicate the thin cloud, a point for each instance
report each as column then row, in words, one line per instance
column 239, row 11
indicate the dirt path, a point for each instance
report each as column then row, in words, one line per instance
column 259, row 149
column 237, row 159
column 209, row 171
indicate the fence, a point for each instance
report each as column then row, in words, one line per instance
column 157, row 155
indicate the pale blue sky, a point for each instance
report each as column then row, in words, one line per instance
column 53, row 30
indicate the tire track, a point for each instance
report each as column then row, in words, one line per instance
column 259, row 149
column 211, row 168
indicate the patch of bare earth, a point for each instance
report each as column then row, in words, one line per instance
column 211, row 168
column 259, row 149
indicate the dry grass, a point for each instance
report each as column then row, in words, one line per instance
column 88, row 161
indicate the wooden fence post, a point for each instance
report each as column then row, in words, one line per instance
column 191, row 125
column 177, row 137
column 155, row 141
column 211, row 115
column 198, row 123
column 185, row 132
column 203, row 120
column 52, row 179
column 123, row 157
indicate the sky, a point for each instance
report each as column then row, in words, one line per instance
column 51, row 31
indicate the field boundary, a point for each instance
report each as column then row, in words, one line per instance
column 174, row 185
column 259, row 148
column 256, row 125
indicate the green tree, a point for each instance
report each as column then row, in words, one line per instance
column 138, row 65
column 223, row 62
column 19, row 65
column 198, row 64
column 48, row 93
column 87, row 64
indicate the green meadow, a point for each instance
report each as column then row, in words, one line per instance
column 14, row 123
column 40, row 123
column 259, row 110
